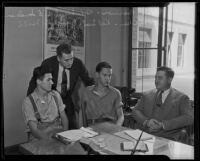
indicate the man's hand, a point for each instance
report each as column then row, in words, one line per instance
column 154, row 125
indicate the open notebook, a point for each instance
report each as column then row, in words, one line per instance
column 75, row 135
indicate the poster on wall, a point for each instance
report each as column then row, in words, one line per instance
column 63, row 26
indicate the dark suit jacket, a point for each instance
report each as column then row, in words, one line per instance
column 77, row 70
column 175, row 112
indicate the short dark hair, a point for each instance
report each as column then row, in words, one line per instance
column 169, row 71
column 102, row 65
column 39, row 72
column 63, row 48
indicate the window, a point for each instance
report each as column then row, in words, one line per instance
column 144, row 56
column 169, row 42
column 176, row 50
column 180, row 53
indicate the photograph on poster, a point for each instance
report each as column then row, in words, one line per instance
column 62, row 26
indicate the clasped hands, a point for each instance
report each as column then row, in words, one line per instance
column 154, row 125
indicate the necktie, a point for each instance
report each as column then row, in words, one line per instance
column 159, row 99
column 64, row 83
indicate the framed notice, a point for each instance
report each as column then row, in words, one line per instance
column 63, row 26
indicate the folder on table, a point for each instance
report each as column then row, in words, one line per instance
column 75, row 135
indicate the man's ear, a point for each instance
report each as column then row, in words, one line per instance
column 58, row 58
column 170, row 80
column 38, row 81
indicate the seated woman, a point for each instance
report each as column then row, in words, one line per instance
column 101, row 102
column 43, row 110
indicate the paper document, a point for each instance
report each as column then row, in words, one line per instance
column 87, row 130
column 75, row 135
column 136, row 133
column 109, row 144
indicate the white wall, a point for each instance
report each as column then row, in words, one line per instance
column 22, row 52
column 114, row 44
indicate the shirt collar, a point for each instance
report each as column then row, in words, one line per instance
column 61, row 68
column 165, row 92
column 38, row 98
column 95, row 92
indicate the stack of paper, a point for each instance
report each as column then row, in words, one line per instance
column 75, row 135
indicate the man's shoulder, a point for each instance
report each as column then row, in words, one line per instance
column 90, row 88
column 50, row 60
column 54, row 93
column 149, row 92
column 27, row 100
column 77, row 60
column 114, row 90
column 87, row 92
column 177, row 93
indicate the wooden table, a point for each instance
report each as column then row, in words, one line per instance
column 160, row 146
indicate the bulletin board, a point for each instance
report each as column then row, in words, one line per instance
column 64, row 26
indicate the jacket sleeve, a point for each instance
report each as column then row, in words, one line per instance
column 138, row 111
column 84, row 75
column 185, row 118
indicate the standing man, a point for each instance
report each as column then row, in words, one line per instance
column 101, row 102
column 43, row 109
column 66, row 71
column 163, row 111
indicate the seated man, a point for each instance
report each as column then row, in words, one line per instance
column 163, row 111
column 101, row 102
column 43, row 110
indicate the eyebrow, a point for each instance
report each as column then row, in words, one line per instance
column 69, row 59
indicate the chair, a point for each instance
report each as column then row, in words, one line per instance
column 187, row 133
column 190, row 129
column 129, row 99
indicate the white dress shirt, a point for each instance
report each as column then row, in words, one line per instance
column 58, row 87
column 165, row 94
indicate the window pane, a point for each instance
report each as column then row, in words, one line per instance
column 145, row 25
column 146, row 68
column 181, row 18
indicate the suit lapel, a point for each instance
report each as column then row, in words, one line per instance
column 168, row 101
column 73, row 73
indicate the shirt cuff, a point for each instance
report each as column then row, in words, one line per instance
column 163, row 125
column 145, row 122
